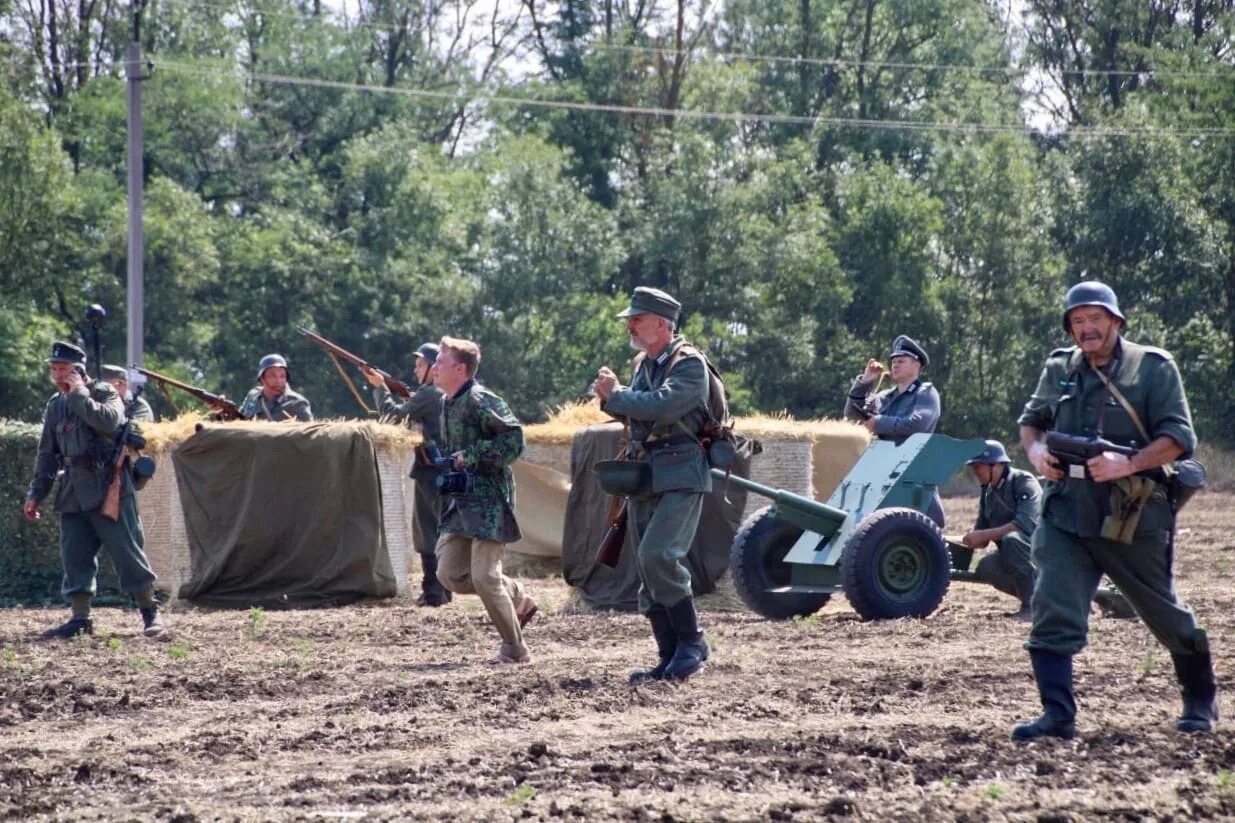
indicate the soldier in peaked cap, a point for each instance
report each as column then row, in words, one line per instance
column 1113, row 513
column 1007, row 517
column 80, row 425
column 909, row 407
column 423, row 409
column 665, row 405
column 119, row 378
column 272, row 398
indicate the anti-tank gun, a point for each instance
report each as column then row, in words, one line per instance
column 872, row 539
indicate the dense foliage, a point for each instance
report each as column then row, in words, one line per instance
column 810, row 178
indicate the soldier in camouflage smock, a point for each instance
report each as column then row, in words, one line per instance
column 1111, row 513
column 119, row 378
column 482, row 439
column 423, row 409
column 665, row 405
column 80, row 425
column 271, row 399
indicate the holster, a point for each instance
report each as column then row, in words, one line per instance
column 1128, row 498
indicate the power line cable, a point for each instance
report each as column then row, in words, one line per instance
column 696, row 114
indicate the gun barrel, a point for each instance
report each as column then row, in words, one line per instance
column 822, row 516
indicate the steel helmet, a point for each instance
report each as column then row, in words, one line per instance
column 1091, row 293
column 270, row 361
column 993, row 452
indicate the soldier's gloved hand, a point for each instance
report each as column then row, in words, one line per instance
column 1044, row 462
column 31, row 510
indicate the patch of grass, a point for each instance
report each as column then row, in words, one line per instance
column 257, row 622
column 140, row 664
column 1226, row 782
column 995, row 791
column 302, row 645
column 10, row 657
column 948, row 782
column 177, row 651
column 524, row 793
column 114, row 644
column 808, row 620
column 1148, row 662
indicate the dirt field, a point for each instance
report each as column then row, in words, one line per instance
column 388, row 711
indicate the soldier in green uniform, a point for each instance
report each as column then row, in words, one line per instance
column 1007, row 517
column 80, row 425
column 1111, row 513
column 119, row 378
column 271, row 399
column 423, row 409
column 482, row 439
column 665, row 406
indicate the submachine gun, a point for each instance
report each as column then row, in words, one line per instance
column 128, row 442
column 1073, row 450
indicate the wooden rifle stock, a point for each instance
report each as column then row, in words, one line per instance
column 226, row 409
column 397, row 387
column 612, row 543
column 111, row 501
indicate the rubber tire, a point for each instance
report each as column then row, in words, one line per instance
column 915, row 546
column 756, row 563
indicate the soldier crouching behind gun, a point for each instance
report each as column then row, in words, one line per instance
column 79, row 426
column 666, row 406
column 1110, row 513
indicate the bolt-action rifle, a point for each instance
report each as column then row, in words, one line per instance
column 226, row 409
column 397, row 387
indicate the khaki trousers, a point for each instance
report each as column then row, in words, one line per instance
column 469, row 566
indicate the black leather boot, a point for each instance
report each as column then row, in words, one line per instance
column 152, row 626
column 1200, row 692
column 432, row 592
column 75, row 626
column 1054, row 675
column 692, row 648
column 666, row 644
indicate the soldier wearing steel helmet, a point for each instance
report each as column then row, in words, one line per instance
column 1110, row 513
column 272, row 398
column 423, row 409
column 1007, row 517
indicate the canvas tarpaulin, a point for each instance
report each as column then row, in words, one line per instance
column 586, row 519
column 283, row 515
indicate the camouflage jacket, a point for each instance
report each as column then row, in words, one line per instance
column 288, row 406
column 1071, row 398
column 901, row 413
column 1014, row 499
column 479, row 424
column 424, row 409
column 79, row 432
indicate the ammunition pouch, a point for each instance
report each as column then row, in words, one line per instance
column 1186, row 478
column 134, row 439
column 1129, row 495
column 720, row 443
column 143, row 469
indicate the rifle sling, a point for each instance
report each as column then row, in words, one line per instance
column 350, row 385
column 1123, row 401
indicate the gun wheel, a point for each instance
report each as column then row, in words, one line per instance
column 896, row 564
column 757, row 561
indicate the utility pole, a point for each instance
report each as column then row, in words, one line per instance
column 133, row 71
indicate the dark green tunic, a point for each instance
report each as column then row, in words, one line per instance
column 288, row 406
column 1068, row 551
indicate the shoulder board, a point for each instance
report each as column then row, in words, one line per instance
column 1064, row 351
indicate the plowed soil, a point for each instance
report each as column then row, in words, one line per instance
column 386, row 710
